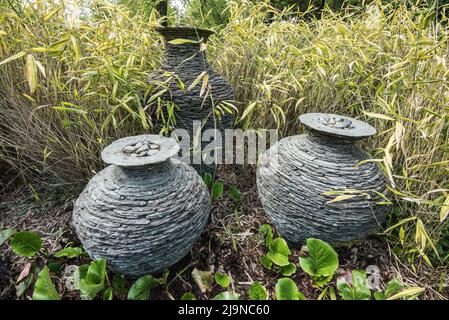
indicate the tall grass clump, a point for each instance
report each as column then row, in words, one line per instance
column 70, row 82
column 387, row 65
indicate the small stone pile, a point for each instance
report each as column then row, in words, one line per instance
column 336, row 122
column 141, row 149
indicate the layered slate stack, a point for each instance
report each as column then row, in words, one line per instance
column 143, row 212
column 186, row 60
column 300, row 177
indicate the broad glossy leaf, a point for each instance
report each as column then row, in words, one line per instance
column 140, row 290
column 286, row 289
column 108, row 294
column 280, row 246
column 44, row 288
column 69, row 252
column 322, row 260
column 188, row 296
column 288, row 270
column 278, row 259
column 358, row 290
column 227, row 296
column 257, row 292
column 26, row 244
column 266, row 262
column 93, row 282
column 224, row 280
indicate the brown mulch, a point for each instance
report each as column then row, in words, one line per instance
column 231, row 243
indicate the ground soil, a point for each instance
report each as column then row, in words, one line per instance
column 231, row 243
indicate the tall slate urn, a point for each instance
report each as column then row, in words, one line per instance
column 143, row 212
column 184, row 59
column 300, row 177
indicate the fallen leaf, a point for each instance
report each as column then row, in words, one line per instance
column 24, row 273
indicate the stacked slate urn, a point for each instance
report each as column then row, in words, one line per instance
column 185, row 59
column 145, row 210
column 314, row 186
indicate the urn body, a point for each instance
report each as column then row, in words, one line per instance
column 313, row 186
column 142, row 217
column 186, row 62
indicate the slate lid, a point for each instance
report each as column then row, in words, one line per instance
column 115, row 154
column 184, row 32
column 337, row 126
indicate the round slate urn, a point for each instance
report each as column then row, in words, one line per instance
column 311, row 185
column 143, row 212
column 185, row 59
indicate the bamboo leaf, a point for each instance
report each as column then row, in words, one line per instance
column 14, row 57
column 30, row 71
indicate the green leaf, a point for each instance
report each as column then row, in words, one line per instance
column 266, row 231
column 178, row 41
column 224, row 280
column 108, row 294
column 322, row 280
column 359, row 289
column 207, row 178
column 13, row 57
column 286, row 289
column 54, row 266
column 279, row 252
column 288, row 270
column 393, row 287
column 140, row 290
column 257, row 292
column 409, row 293
column 235, row 193
column 69, row 252
column 44, row 288
column 26, row 244
column 80, row 273
column 119, row 284
column 278, row 259
column 5, row 234
column 188, row 296
column 227, row 296
column 217, row 190
column 266, row 262
column 321, row 262
column 379, row 295
column 93, row 281
column 280, row 246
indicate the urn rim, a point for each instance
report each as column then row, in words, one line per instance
column 188, row 32
column 336, row 125
column 113, row 153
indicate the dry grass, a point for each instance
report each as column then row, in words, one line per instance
column 387, row 66
column 74, row 87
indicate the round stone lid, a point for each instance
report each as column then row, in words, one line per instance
column 184, row 32
column 337, row 125
column 140, row 151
